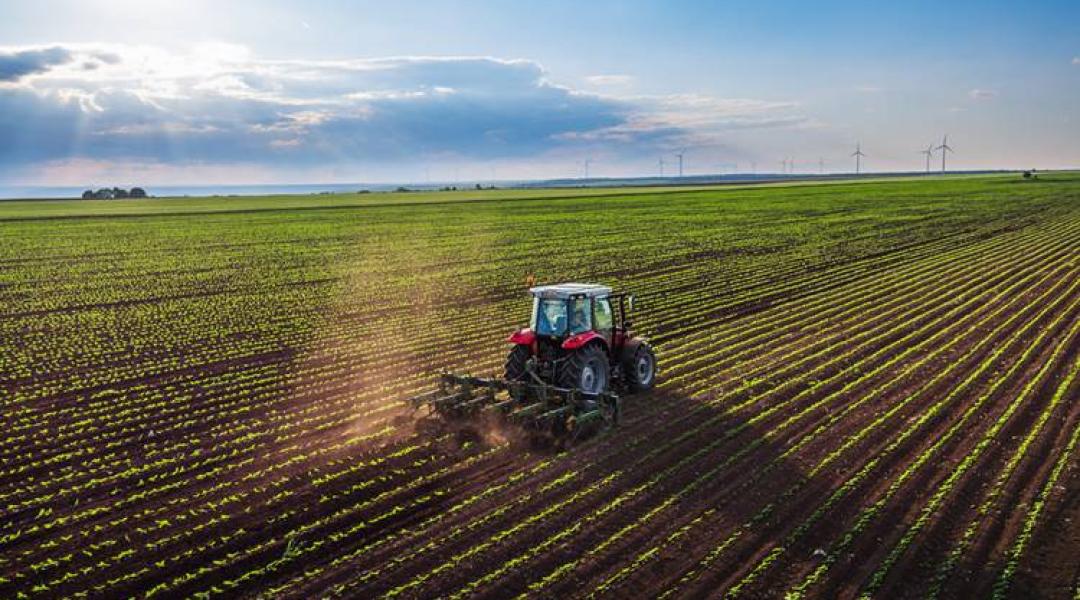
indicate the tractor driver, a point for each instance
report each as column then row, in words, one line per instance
column 579, row 317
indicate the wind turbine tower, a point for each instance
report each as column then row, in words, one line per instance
column 661, row 166
column 945, row 149
column 858, row 154
column 821, row 166
column 928, row 152
column 680, row 157
column 588, row 161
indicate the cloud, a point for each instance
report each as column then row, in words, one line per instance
column 869, row 89
column 693, row 120
column 1076, row 60
column 218, row 104
column 610, row 80
column 17, row 64
column 978, row 94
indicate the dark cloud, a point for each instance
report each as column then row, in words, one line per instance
column 14, row 65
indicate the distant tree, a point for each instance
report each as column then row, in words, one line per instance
column 119, row 193
column 137, row 192
column 88, row 195
column 104, row 194
column 402, row 189
column 479, row 187
column 1027, row 174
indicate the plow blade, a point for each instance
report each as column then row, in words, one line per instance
column 534, row 406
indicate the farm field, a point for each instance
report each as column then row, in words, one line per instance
column 866, row 389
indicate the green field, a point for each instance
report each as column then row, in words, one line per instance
column 37, row 209
column 203, row 395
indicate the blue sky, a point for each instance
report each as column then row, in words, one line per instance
column 158, row 92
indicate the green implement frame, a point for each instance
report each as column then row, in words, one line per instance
column 535, row 406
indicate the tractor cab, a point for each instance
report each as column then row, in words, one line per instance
column 572, row 309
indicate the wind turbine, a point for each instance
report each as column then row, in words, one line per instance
column 944, row 147
column 928, row 152
column 783, row 166
column 680, row 157
column 661, row 166
column 587, row 162
column 858, row 154
column 821, row 166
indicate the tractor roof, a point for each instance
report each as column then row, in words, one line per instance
column 568, row 290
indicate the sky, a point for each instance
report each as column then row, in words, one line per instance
column 126, row 92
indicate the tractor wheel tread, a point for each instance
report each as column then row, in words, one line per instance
column 635, row 379
column 515, row 363
column 570, row 374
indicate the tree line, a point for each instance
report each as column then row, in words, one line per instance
column 114, row 193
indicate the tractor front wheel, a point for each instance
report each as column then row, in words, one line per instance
column 515, row 363
column 586, row 370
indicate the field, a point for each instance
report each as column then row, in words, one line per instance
column 866, row 389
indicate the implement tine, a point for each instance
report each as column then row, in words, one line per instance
column 527, row 412
column 421, row 399
column 482, row 398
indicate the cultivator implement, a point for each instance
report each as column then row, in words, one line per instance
column 535, row 406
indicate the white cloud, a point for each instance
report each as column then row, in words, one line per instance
column 981, row 94
column 690, row 120
column 869, row 89
column 1076, row 60
column 610, row 80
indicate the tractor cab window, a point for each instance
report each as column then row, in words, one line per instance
column 549, row 316
column 604, row 320
column 580, row 315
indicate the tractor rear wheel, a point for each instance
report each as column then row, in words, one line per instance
column 586, row 370
column 641, row 369
column 515, row 369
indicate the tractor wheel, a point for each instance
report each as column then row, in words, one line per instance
column 586, row 370
column 515, row 363
column 641, row 369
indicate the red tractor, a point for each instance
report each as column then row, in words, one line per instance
column 577, row 340
column 564, row 370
